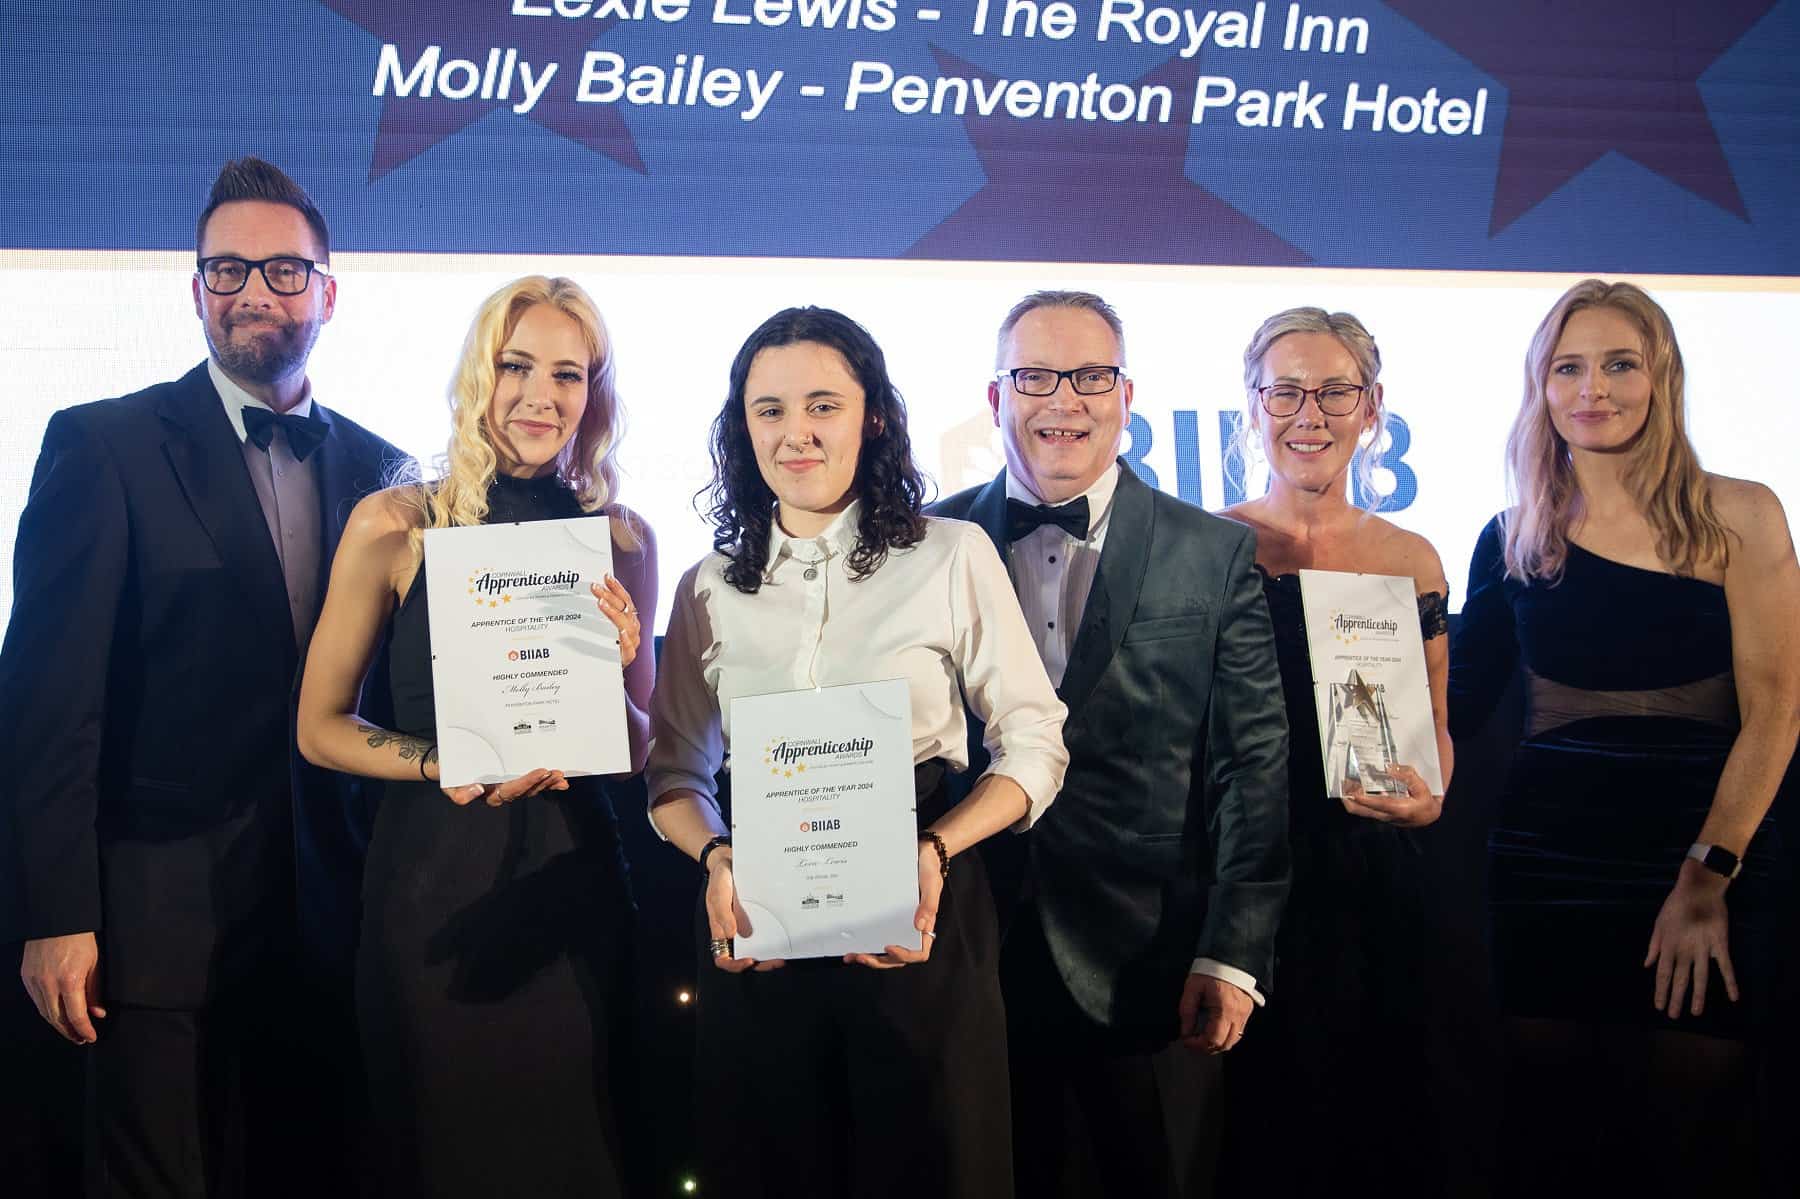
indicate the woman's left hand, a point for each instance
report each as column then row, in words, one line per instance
column 1416, row 809
column 615, row 604
column 931, row 889
column 1691, row 932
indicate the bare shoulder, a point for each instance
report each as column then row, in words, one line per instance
column 379, row 531
column 1404, row 552
column 385, row 512
column 1752, row 512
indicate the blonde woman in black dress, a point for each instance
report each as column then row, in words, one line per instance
column 494, row 963
column 1651, row 606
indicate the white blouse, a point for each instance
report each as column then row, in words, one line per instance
column 941, row 615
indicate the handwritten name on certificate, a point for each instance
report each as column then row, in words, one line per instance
column 824, row 836
column 525, row 668
column 1369, row 680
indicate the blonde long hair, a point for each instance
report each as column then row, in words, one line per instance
column 586, row 464
column 1662, row 473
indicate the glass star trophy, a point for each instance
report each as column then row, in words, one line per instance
column 1359, row 738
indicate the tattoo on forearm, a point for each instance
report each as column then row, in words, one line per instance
column 407, row 746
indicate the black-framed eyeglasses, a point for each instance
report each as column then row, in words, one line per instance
column 1335, row 399
column 225, row 275
column 1042, row 381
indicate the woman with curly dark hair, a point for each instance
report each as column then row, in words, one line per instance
column 882, row 1073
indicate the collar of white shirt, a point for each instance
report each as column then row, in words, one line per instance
column 1099, row 497
column 838, row 537
column 236, row 398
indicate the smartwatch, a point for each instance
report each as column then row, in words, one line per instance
column 1716, row 858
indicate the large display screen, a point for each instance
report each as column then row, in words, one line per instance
column 1443, row 170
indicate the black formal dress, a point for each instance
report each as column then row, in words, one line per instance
column 1348, row 1025
column 1632, row 711
column 494, row 963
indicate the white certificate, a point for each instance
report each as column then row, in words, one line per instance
column 1369, row 681
column 824, row 831
column 525, row 668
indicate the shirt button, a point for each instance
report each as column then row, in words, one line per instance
column 1053, row 624
column 1053, row 559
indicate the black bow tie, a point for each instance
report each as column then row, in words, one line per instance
column 304, row 433
column 1023, row 519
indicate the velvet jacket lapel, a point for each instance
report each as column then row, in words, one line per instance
column 1114, row 596
column 208, row 462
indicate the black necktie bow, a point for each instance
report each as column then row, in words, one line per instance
column 304, row 433
column 1023, row 519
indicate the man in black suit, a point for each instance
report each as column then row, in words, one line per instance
column 1142, row 908
column 159, row 840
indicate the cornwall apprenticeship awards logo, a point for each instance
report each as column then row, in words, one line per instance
column 787, row 756
column 1349, row 628
column 492, row 588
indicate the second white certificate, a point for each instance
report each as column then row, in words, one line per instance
column 1369, row 680
column 824, row 832
column 525, row 668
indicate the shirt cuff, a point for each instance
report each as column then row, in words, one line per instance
column 1229, row 974
column 675, row 781
column 1033, row 784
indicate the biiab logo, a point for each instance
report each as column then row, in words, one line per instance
column 830, row 824
column 529, row 654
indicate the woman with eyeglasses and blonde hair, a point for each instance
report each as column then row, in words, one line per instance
column 1651, row 606
column 1344, row 1029
column 494, row 961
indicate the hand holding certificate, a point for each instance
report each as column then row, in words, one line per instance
column 525, row 668
column 1370, row 683
column 823, row 819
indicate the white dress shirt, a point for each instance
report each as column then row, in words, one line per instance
column 940, row 615
column 288, row 491
column 1053, row 573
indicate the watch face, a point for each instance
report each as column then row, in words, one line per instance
column 1720, row 861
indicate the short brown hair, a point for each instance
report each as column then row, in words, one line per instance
column 254, row 179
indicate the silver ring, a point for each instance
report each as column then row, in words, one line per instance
column 721, row 947
column 931, row 934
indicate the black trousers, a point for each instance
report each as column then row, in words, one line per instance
column 254, row 1095
column 1096, row 1113
column 845, row 1082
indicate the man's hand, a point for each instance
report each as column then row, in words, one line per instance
column 63, row 976
column 1213, row 1013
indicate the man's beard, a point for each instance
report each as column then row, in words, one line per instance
column 278, row 349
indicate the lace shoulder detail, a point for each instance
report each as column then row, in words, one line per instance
column 1434, row 614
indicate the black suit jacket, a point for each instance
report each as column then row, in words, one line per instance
column 151, row 789
column 1169, row 839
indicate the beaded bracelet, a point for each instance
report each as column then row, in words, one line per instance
column 943, row 851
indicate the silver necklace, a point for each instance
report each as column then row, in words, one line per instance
column 812, row 565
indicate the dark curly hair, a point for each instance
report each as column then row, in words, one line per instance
column 741, row 506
